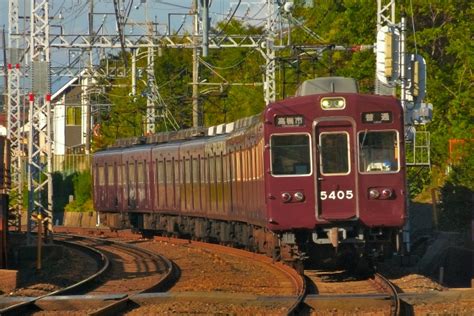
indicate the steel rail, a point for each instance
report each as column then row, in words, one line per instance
column 390, row 288
column 100, row 257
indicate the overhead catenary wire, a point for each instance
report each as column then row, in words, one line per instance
column 413, row 26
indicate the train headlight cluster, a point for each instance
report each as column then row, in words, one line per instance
column 333, row 103
column 292, row 197
column 380, row 193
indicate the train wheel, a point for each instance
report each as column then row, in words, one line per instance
column 147, row 234
column 252, row 245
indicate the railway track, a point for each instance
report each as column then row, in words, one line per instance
column 342, row 292
column 214, row 278
column 108, row 290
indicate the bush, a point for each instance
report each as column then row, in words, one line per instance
column 418, row 179
column 82, row 187
column 457, row 195
column 82, row 193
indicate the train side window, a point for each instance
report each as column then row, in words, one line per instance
column 133, row 182
column 101, row 175
column 290, row 155
column 160, row 171
column 141, row 181
column 110, row 175
column 379, row 151
column 123, row 172
column 334, row 153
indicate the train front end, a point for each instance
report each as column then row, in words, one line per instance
column 335, row 169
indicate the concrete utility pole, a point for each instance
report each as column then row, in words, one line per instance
column 40, row 140
column 14, row 118
column 205, row 27
column 85, row 95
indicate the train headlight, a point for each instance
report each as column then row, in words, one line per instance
column 286, row 197
column 387, row 193
column 333, row 103
column 298, row 196
column 374, row 194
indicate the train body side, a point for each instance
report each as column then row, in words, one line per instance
column 218, row 177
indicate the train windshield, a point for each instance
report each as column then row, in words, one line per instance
column 290, row 154
column 379, row 151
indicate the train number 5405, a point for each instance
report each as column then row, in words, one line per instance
column 339, row 195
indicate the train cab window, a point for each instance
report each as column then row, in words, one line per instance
column 290, row 155
column 378, row 151
column 334, row 153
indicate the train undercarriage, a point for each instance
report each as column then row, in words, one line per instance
column 343, row 246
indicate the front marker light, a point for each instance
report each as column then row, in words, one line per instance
column 286, row 197
column 387, row 193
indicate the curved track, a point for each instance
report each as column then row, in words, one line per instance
column 216, row 275
column 118, row 260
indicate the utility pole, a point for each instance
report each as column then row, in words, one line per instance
column 205, row 27
column 197, row 113
column 14, row 114
column 39, row 140
column 86, row 99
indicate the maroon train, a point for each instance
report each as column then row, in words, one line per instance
column 320, row 171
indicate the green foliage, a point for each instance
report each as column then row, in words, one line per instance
column 62, row 187
column 457, row 194
column 82, row 193
column 444, row 40
column 82, row 186
column 418, row 179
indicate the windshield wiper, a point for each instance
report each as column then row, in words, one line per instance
column 361, row 145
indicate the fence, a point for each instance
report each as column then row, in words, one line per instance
column 67, row 164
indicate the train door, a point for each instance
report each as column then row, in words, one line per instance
column 336, row 184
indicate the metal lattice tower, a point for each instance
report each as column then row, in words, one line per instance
column 14, row 109
column 150, row 71
column 40, row 185
column 269, row 54
column 385, row 16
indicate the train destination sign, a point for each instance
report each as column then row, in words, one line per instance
column 376, row 117
column 289, row 121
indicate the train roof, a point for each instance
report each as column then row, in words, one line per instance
column 327, row 85
column 188, row 134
